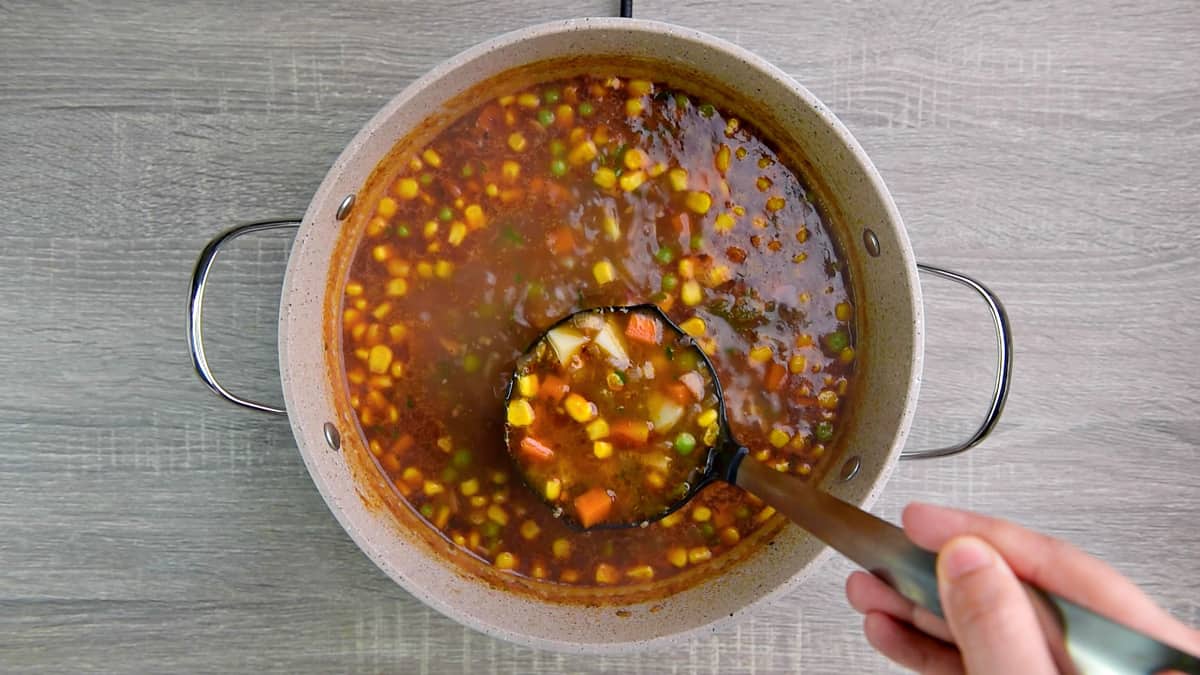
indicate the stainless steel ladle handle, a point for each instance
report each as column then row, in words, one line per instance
column 1081, row 640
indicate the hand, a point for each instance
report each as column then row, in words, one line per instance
column 990, row 625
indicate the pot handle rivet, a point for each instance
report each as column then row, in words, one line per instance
column 332, row 437
column 871, row 242
column 343, row 209
column 850, row 468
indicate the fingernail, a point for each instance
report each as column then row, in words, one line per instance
column 965, row 555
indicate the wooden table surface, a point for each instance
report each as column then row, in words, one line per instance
column 1049, row 148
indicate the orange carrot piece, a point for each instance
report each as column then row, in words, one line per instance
column 774, row 377
column 679, row 393
column 630, row 432
column 553, row 388
column 561, row 240
column 593, row 506
column 535, row 451
column 643, row 329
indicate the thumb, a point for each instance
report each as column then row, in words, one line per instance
column 989, row 614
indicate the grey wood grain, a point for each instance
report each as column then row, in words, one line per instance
column 1048, row 148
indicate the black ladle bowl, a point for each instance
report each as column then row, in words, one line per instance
column 875, row 544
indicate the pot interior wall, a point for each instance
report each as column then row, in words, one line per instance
column 885, row 288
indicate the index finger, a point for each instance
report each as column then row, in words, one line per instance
column 1052, row 565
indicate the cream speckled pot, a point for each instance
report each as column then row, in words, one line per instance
column 884, row 277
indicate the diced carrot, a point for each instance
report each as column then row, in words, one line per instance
column 679, row 393
column 535, row 451
column 630, row 432
column 561, row 240
column 554, row 388
column 680, row 222
column 491, row 118
column 593, row 506
column 643, row 329
column 774, row 377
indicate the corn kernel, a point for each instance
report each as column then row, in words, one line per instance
column 611, row 228
column 634, row 107
column 602, row 449
column 381, row 253
column 764, row 515
column 775, row 204
column 632, row 180
column 411, row 475
column 510, row 170
column 516, row 141
column 760, row 354
column 678, row 179
column 582, row 153
column 607, row 574
column 672, row 520
column 432, row 488
column 520, row 413
column 639, row 87
column 701, row 514
column 699, row 554
column 415, row 164
column 797, row 363
column 396, row 288
column 469, row 487
column 694, row 327
column 842, row 311
column 492, row 189
column 597, row 429
column 424, row 270
column 707, row 418
column 732, row 126
column 443, row 269
column 579, row 408
column 474, row 216
column 605, row 177
column 527, row 385
column 657, row 170
column 386, row 208
column 730, row 536
column 634, row 159
column 640, row 573
column 722, row 159
column 528, row 100
column 719, row 274
column 479, row 501
column 458, row 231
column 687, row 268
column 561, row 548
column 530, row 530
column 354, row 289
column 778, row 437
column 677, row 556
column 408, row 188
column 698, row 202
column 691, row 293
column 553, row 489
column 497, row 515
column 846, row 355
column 723, row 223
column 656, row 480
column 505, row 560
column 379, row 359
column 382, row 310
column 432, row 158
column 604, row 272
column 430, row 229
column 827, row 399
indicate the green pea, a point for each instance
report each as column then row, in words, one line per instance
column 557, row 148
column 490, row 529
column 824, row 431
column 688, row 359
column 445, row 214
column 545, row 117
column 468, row 171
column 708, row 530
column 402, row 231
column 472, row 363
column 664, row 255
column 427, row 510
column 449, row 474
column 586, row 109
column 682, row 100
column 461, row 458
column 552, row 96
column 685, row 443
column 558, row 167
column 837, row 341
column 426, row 179
column 669, row 282
column 707, row 109
column 742, row 511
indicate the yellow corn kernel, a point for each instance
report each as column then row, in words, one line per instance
column 396, row 288
column 381, row 253
column 408, row 188
column 827, row 399
column 505, row 560
column 561, row 548
column 432, row 158
column 707, row 418
column 694, row 327
column 846, row 355
column 415, row 164
column 842, row 311
column 730, row 536
column 634, row 107
column 424, row 270
column 528, row 100
column 597, row 429
column 698, row 202
column 553, row 489
column 411, row 475
column 579, row 408
column 701, row 514
column 604, row 272
column 804, row 468
column 382, row 310
column 722, row 159
column 520, row 413
column 611, row 228
column 530, row 530
column 582, row 153
column 632, row 180
column 639, row 87
column 804, row 298
column 640, row 573
column 723, row 223
column 445, row 444
column 762, row 455
column 506, row 100
column 802, row 235
column 739, row 210
column 527, row 385
column 386, row 208
column 458, row 231
column 602, row 449
column 356, row 376
column 605, row 177
column 443, row 269
column 678, row 179
column 497, row 515
column 430, row 229
column 672, row 520
column 657, row 170
column 797, row 363
column 442, row 518
column 656, row 480
column 516, row 141
column 678, row 556
column 492, row 189
column 732, row 126
column 778, row 437
column 469, row 487
column 687, row 268
column 607, row 574
column 478, row 501
column 764, row 515
column 699, row 554
column 362, row 353
column 432, row 488
column 379, row 359
column 354, row 289
column 510, row 170
column 691, row 293
column 719, row 274
column 775, row 204
column 600, row 136
column 634, row 159
column 474, row 216
column 760, row 354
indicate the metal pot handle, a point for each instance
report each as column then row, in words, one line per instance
column 196, row 306
column 1004, row 354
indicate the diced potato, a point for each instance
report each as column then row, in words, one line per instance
column 609, row 341
column 566, row 342
column 664, row 413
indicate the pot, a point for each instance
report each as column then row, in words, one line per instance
column 865, row 220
